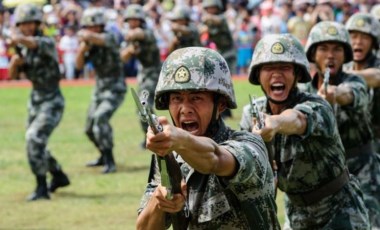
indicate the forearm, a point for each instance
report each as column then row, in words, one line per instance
column 290, row 122
column 126, row 54
column 13, row 71
column 79, row 62
column 27, row 41
column 206, row 157
column 96, row 39
column 371, row 76
column 151, row 218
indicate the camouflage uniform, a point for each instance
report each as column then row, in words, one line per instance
column 221, row 36
column 148, row 56
column 110, row 86
column 365, row 23
column 46, row 102
column 192, row 39
column 353, row 120
column 305, row 166
column 245, row 201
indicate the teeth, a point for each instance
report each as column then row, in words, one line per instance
column 277, row 84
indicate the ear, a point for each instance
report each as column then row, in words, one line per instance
column 222, row 105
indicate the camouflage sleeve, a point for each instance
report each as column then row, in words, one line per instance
column 252, row 159
column 111, row 40
column 359, row 90
column 320, row 118
column 46, row 47
column 246, row 119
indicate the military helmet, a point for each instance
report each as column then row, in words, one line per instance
column 277, row 48
column 180, row 12
column 375, row 11
column 93, row 16
column 365, row 23
column 134, row 11
column 194, row 69
column 210, row 3
column 328, row 31
column 28, row 13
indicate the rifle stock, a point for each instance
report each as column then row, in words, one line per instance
column 326, row 79
column 256, row 113
column 171, row 175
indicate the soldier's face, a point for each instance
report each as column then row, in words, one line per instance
column 212, row 10
column 361, row 45
column 329, row 54
column 134, row 23
column 192, row 111
column 95, row 29
column 28, row 28
column 277, row 80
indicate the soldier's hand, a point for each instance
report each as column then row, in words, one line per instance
column 166, row 141
column 16, row 60
column 173, row 205
column 330, row 95
column 268, row 131
column 84, row 35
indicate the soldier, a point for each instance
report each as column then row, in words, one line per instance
column 186, row 33
column 101, row 47
column 301, row 135
column 364, row 32
column 141, row 44
column 229, row 182
column 38, row 59
column 329, row 48
column 215, row 24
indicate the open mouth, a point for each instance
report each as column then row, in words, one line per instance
column 358, row 51
column 277, row 87
column 190, row 126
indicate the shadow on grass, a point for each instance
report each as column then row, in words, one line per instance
column 132, row 168
column 79, row 195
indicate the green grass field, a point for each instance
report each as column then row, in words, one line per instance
column 93, row 200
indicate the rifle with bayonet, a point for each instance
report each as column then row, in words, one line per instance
column 256, row 114
column 326, row 79
column 171, row 175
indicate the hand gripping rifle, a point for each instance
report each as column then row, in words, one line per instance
column 171, row 175
column 326, row 79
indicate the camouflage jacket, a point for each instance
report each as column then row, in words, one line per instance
column 107, row 64
column 41, row 66
column 191, row 39
column 245, row 201
column 303, row 162
column 149, row 54
column 374, row 96
column 353, row 120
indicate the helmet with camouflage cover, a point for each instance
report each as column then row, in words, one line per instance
column 180, row 12
column 194, row 69
column 365, row 23
column 28, row 13
column 93, row 17
column 328, row 31
column 277, row 48
column 134, row 11
column 210, row 3
column 375, row 11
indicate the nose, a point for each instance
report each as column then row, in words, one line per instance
column 186, row 107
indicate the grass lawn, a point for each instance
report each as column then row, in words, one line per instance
column 93, row 200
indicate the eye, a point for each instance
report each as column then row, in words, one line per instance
column 175, row 98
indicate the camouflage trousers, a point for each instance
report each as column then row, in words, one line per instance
column 343, row 210
column 147, row 80
column 367, row 170
column 98, row 128
column 43, row 117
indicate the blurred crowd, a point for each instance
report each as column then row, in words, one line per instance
column 248, row 21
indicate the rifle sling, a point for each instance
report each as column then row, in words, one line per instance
column 330, row 188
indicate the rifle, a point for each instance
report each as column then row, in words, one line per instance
column 326, row 79
column 256, row 114
column 171, row 175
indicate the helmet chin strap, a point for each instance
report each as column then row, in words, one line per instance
column 213, row 126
